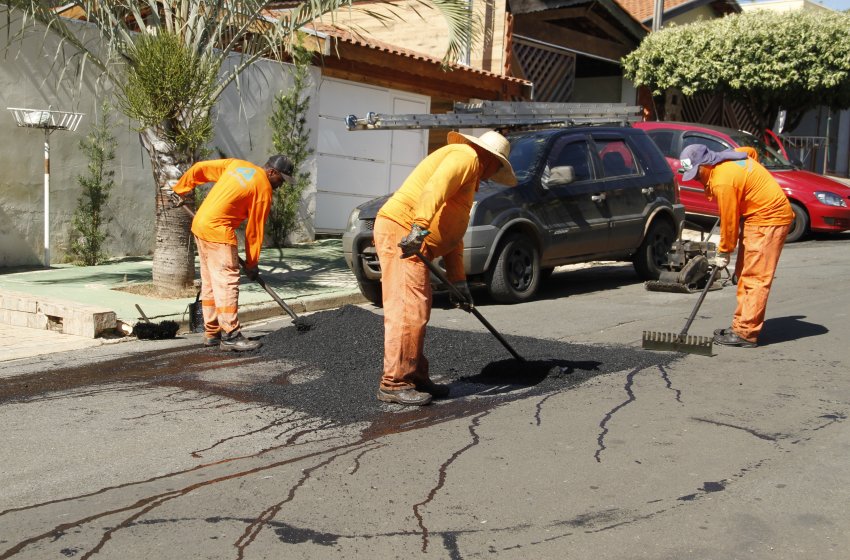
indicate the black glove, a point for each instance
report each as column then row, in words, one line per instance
column 176, row 200
column 413, row 241
column 252, row 273
column 466, row 304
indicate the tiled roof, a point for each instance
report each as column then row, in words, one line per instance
column 346, row 36
column 643, row 10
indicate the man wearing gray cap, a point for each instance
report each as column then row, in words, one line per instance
column 754, row 214
column 242, row 193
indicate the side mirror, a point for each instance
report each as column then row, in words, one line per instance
column 561, row 175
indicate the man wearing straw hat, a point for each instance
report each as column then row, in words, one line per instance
column 754, row 209
column 429, row 212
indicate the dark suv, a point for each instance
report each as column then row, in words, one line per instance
column 584, row 194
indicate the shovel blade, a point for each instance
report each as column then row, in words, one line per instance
column 675, row 342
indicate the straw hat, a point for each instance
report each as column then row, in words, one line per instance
column 497, row 145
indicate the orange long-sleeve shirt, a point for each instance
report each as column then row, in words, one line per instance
column 241, row 192
column 745, row 189
column 438, row 196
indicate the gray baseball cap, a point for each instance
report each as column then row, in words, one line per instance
column 698, row 154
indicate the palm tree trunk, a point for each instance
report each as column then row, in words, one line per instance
column 174, row 248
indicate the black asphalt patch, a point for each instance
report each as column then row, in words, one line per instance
column 346, row 346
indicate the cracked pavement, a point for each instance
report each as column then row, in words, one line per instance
column 164, row 450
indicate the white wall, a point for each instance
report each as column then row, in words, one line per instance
column 348, row 167
column 26, row 81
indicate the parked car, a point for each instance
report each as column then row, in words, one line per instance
column 584, row 193
column 820, row 204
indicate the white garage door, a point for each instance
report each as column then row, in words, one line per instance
column 353, row 167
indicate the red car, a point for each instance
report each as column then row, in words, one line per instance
column 820, row 204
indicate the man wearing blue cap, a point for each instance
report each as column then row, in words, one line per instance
column 754, row 210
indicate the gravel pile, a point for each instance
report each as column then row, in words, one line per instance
column 344, row 349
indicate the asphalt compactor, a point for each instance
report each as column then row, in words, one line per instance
column 688, row 268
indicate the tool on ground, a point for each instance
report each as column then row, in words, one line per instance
column 154, row 331
column 300, row 323
column 435, row 270
column 683, row 342
column 688, row 266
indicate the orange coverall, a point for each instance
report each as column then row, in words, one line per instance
column 749, row 197
column 241, row 191
column 438, row 196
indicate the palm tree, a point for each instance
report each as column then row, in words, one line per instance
column 166, row 61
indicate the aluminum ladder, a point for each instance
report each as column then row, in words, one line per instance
column 498, row 114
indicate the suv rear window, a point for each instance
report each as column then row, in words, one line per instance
column 617, row 159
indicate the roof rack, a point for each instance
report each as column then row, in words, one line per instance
column 499, row 114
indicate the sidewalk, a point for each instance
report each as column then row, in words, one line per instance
column 309, row 277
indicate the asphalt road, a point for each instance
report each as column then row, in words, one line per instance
column 594, row 449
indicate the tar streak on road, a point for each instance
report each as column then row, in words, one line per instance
column 326, row 377
column 332, row 371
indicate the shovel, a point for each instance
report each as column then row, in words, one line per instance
column 300, row 323
column 683, row 342
column 435, row 270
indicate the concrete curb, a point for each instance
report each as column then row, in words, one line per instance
column 265, row 310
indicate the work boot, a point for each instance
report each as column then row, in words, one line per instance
column 212, row 341
column 731, row 338
column 722, row 332
column 238, row 343
column 410, row 397
column 436, row 390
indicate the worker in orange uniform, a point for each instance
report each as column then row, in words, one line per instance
column 754, row 210
column 429, row 212
column 242, row 191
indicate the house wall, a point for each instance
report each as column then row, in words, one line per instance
column 27, row 80
column 599, row 90
column 782, row 5
column 408, row 19
column 690, row 16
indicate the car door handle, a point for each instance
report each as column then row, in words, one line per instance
column 648, row 190
column 599, row 197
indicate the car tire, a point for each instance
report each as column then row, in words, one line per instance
column 372, row 291
column 515, row 275
column 651, row 256
column 800, row 225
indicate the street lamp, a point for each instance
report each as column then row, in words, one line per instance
column 49, row 121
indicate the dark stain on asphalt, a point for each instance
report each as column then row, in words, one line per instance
column 345, row 347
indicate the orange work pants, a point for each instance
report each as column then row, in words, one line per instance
column 406, row 288
column 758, row 255
column 219, row 287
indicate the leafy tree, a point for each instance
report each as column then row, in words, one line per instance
column 167, row 60
column 795, row 60
column 89, row 221
column 291, row 137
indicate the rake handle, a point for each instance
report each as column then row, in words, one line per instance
column 699, row 302
column 258, row 279
column 439, row 274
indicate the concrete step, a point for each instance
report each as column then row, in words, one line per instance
column 48, row 313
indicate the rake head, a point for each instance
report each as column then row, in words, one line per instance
column 673, row 342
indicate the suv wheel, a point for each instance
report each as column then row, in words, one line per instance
column 516, row 273
column 800, row 225
column 372, row 292
column 651, row 256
